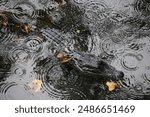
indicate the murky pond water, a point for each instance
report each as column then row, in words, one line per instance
column 74, row 49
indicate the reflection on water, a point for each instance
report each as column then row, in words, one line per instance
column 115, row 33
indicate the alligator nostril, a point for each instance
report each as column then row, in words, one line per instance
column 120, row 74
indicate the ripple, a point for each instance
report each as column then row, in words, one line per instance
column 18, row 70
column 43, row 1
column 77, row 95
column 27, row 12
column 19, row 54
column 33, row 44
column 138, row 87
column 130, row 61
column 118, row 95
column 146, row 76
column 95, row 11
column 3, row 2
column 98, row 91
column 13, row 91
column 50, row 76
column 142, row 6
column 118, row 16
column 111, row 48
column 57, row 82
column 80, row 1
column 109, row 30
column 6, row 37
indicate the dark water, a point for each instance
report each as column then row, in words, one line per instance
column 33, row 31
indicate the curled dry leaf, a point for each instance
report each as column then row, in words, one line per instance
column 26, row 28
column 111, row 85
column 34, row 86
column 63, row 57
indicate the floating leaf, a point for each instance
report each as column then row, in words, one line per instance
column 26, row 28
column 35, row 85
column 63, row 57
column 111, row 85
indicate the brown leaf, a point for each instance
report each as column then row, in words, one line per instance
column 35, row 85
column 63, row 57
column 26, row 28
column 111, row 85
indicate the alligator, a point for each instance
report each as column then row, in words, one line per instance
column 90, row 65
